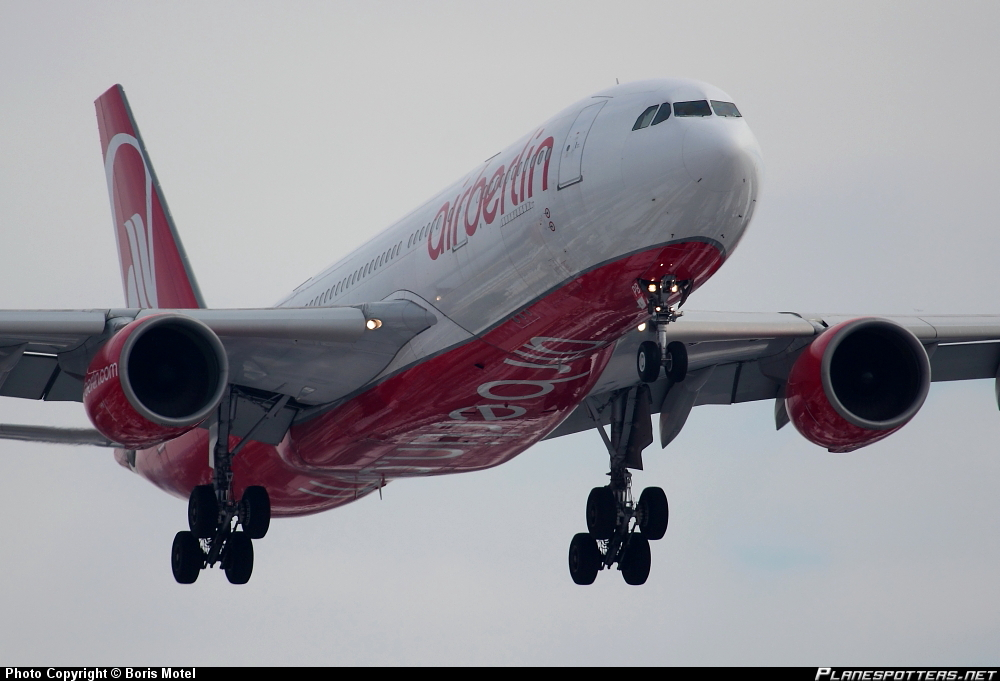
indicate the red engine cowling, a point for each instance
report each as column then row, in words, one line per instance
column 859, row 382
column 154, row 380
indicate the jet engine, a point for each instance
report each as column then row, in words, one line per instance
column 857, row 383
column 156, row 379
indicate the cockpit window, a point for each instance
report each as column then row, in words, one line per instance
column 644, row 118
column 663, row 114
column 698, row 108
column 726, row 109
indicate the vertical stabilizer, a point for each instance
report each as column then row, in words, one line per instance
column 155, row 269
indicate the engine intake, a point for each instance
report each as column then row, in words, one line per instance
column 856, row 384
column 156, row 379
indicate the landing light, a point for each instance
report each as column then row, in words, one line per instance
column 674, row 289
column 642, row 327
column 373, row 324
column 652, row 288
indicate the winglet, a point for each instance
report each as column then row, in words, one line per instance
column 155, row 269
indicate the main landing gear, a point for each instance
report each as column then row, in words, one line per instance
column 619, row 528
column 619, row 532
column 214, row 515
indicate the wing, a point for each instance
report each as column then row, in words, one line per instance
column 313, row 355
column 741, row 357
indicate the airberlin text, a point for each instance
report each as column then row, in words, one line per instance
column 99, row 377
column 544, row 363
column 511, row 183
column 93, row 673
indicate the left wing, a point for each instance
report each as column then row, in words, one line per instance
column 742, row 357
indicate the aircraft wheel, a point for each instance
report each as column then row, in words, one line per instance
column 203, row 512
column 647, row 361
column 238, row 562
column 653, row 513
column 602, row 512
column 256, row 511
column 584, row 558
column 636, row 561
column 186, row 557
column 675, row 361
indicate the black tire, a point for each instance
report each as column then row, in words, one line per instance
column 602, row 512
column 647, row 361
column 256, row 512
column 238, row 560
column 584, row 558
column 636, row 561
column 186, row 558
column 653, row 513
column 203, row 512
column 675, row 362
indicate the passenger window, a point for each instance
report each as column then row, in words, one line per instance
column 644, row 118
column 698, row 108
column 727, row 109
column 663, row 114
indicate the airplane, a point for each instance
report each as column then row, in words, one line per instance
column 541, row 294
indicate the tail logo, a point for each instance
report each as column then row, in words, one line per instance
column 137, row 257
column 141, row 286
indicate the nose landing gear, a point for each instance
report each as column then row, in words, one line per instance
column 671, row 356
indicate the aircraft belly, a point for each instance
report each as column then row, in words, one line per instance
column 485, row 401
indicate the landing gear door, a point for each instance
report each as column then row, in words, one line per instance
column 571, row 153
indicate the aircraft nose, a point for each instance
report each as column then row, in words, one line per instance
column 721, row 154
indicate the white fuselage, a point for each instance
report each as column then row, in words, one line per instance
column 611, row 191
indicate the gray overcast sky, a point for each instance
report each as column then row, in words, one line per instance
column 285, row 134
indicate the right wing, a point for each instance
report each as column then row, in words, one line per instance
column 313, row 355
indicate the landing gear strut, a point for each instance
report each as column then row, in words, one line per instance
column 618, row 528
column 214, row 514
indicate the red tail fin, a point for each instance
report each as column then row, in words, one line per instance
column 155, row 269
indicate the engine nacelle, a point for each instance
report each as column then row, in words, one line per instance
column 154, row 380
column 856, row 384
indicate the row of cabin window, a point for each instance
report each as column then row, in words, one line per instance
column 421, row 233
column 658, row 113
column 361, row 273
